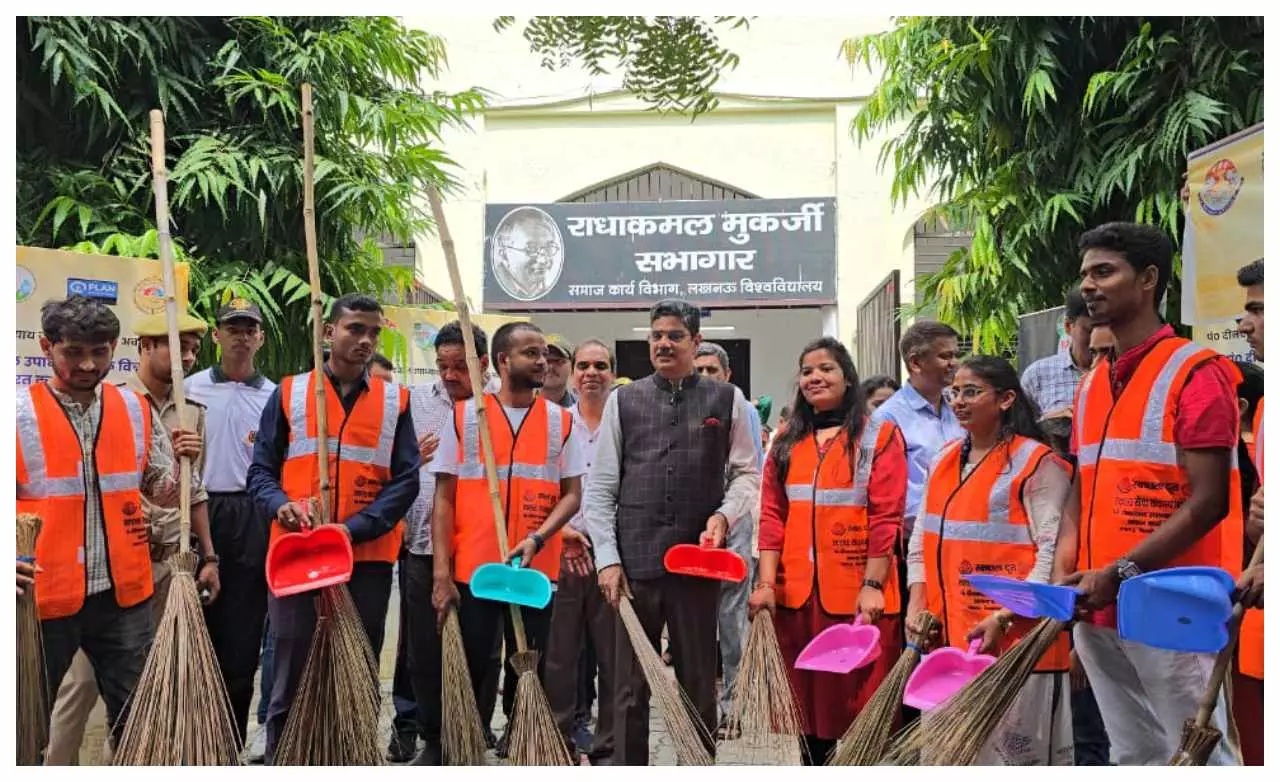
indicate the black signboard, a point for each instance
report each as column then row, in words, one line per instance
column 757, row 252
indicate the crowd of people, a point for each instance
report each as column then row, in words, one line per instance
column 1130, row 451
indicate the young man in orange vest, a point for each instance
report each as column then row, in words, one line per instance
column 1155, row 434
column 88, row 453
column 540, row 467
column 373, row 482
column 1248, row 685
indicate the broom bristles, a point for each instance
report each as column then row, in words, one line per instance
column 955, row 733
column 180, row 713
column 1197, row 744
column 864, row 742
column 688, row 733
column 33, row 700
column 763, row 702
column 333, row 720
column 535, row 737
column 462, row 734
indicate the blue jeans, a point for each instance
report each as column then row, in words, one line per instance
column 268, row 658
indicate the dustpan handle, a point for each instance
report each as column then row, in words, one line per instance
column 974, row 646
column 1221, row 665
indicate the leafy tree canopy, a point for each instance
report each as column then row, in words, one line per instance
column 1029, row 130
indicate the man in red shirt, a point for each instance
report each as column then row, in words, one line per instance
column 1145, row 694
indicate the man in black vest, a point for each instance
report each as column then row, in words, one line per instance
column 666, row 444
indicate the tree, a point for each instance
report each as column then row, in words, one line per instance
column 1029, row 130
column 229, row 88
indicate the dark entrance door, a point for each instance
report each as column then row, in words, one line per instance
column 633, row 360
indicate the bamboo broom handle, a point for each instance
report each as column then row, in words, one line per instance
column 1209, row 701
column 477, row 385
column 160, row 184
column 317, row 301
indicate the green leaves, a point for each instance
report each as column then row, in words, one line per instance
column 1030, row 130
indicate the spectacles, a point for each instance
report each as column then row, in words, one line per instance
column 670, row 336
column 599, row 366
column 966, row 394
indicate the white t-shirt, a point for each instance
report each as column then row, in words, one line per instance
column 573, row 462
column 231, row 425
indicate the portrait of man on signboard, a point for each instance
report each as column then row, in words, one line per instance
column 527, row 253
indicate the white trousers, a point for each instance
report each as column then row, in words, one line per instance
column 1037, row 730
column 1146, row 694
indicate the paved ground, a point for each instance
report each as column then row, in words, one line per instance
column 662, row 753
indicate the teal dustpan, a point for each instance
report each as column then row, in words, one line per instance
column 1182, row 609
column 511, row 584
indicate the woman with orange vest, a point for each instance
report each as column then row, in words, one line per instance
column 992, row 505
column 833, row 494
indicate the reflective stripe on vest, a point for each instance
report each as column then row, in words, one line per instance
column 39, row 486
column 470, row 465
column 379, row 456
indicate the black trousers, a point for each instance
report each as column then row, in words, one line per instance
column 484, row 623
column 235, row 620
column 582, row 620
column 293, row 624
column 116, row 640
column 423, row 645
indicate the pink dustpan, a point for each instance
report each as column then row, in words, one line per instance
column 942, row 673
column 841, row 648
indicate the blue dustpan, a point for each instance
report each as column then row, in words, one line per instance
column 1182, row 609
column 511, row 584
column 1033, row 601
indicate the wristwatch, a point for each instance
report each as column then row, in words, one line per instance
column 1126, row 568
column 538, row 540
column 871, row 582
column 212, row 559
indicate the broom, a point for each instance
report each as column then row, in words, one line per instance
column 1199, row 738
column 535, row 738
column 33, row 702
column 867, row 737
column 181, row 714
column 763, row 701
column 954, row 733
column 687, row 731
column 461, row 735
column 334, row 717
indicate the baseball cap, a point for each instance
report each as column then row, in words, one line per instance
column 158, row 325
column 561, row 345
column 239, row 308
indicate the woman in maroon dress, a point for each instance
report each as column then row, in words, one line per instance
column 833, row 494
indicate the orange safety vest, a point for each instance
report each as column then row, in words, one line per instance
column 360, row 447
column 528, row 467
column 1131, row 474
column 979, row 524
column 1251, row 628
column 51, row 485
column 827, row 503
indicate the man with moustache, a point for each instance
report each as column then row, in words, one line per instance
column 559, row 370
column 541, row 470
column 235, row 393
column 675, row 463
column 373, row 483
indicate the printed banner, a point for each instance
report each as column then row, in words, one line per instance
column 616, row 255
column 1227, row 218
column 409, row 336
column 133, row 287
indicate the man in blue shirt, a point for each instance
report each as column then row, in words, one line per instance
column 929, row 350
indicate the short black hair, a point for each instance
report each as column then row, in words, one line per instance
column 502, row 337
column 383, row 362
column 1250, row 274
column 877, row 382
column 1251, row 387
column 1076, row 308
column 688, row 314
column 352, row 302
column 78, row 319
column 1140, row 245
column 451, row 334
column 921, row 336
column 613, row 365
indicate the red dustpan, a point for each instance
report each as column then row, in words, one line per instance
column 705, row 561
column 312, row 559
column 942, row 673
column 841, row 648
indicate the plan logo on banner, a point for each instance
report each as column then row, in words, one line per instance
column 26, row 284
column 1222, row 184
column 102, row 290
column 527, row 253
column 148, row 295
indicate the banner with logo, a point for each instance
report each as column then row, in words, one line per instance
column 622, row 255
column 410, row 333
column 1225, row 233
column 132, row 287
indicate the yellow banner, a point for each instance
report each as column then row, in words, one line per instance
column 410, row 333
column 1227, row 221
column 133, row 287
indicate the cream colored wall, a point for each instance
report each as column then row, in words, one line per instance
column 549, row 134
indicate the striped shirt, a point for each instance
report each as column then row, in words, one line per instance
column 1052, row 381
